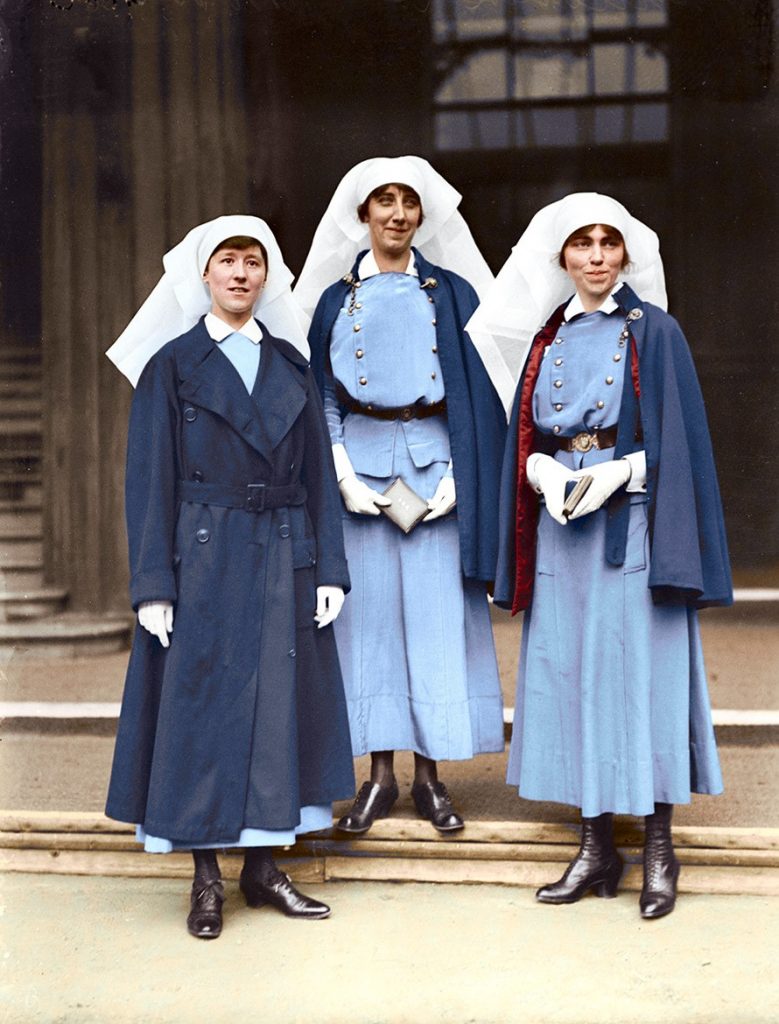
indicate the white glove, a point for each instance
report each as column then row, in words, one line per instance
column 359, row 497
column 329, row 602
column 443, row 500
column 606, row 478
column 549, row 477
column 157, row 618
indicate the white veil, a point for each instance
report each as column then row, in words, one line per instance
column 181, row 297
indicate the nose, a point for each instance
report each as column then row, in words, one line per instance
column 596, row 253
column 239, row 271
column 398, row 213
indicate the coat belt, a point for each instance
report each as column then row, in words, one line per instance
column 252, row 497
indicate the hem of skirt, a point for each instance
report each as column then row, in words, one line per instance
column 634, row 811
column 432, row 755
column 313, row 818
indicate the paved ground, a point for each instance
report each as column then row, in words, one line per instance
column 93, row 950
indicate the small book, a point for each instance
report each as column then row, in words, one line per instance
column 407, row 508
column 576, row 494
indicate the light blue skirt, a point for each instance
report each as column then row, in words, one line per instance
column 612, row 710
column 414, row 637
column 312, row 819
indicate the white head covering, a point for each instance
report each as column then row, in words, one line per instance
column 444, row 237
column 532, row 284
column 181, row 296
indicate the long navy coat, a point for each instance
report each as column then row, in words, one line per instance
column 477, row 425
column 242, row 720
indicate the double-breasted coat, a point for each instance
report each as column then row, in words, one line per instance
column 242, row 721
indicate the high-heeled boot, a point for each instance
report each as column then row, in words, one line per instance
column 204, row 920
column 596, row 866
column 661, row 868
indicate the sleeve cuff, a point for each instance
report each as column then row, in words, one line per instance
column 157, row 585
column 343, row 464
column 637, row 482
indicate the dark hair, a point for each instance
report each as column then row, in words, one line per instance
column 240, row 242
column 362, row 209
column 583, row 231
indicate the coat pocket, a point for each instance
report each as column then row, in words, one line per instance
column 303, row 552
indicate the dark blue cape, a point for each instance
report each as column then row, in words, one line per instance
column 477, row 425
column 689, row 555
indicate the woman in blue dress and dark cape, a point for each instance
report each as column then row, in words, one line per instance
column 407, row 396
column 233, row 729
column 612, row 709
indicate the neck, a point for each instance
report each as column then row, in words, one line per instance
column 389, row 263
column 591, row 303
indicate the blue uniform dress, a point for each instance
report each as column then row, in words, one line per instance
column 244, row 354
column 414, row 638
column 612, row 708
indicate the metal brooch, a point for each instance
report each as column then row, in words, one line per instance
column 429, row 282
column 634, row 314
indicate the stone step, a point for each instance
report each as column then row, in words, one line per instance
column 21, row 489
column 17, row 463
column 27, row 519
column 20, row 371
column 16, row 547
column 16, row 431
column 31, row 603
column 715, row 860
column 13, row 388
column 21, row 407
column 68, row 635
column 18, row 574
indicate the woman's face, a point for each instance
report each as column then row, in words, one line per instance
column 593, row 259
column 392, row 219
column 235, row 278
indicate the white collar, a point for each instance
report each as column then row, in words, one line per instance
column 575, row 306
column 370, row 268
column 219, row 330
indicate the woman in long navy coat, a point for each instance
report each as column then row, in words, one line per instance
column 233, row 730
column 612, row 711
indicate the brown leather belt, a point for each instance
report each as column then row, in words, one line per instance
column 417, row 411
column 583, row 441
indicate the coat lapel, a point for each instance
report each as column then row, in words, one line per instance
column 208, row 379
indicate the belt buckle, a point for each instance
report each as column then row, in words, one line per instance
column 255, row 497
column 407, row 413
column 583, row 441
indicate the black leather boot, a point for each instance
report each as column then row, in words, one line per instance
column 596, row 866
column 661, row 868
column 262, row 883
column 204, row 920
column 372, row 802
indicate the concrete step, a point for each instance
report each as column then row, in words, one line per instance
column 65, row 636
column 20, row 574
column 28, row 388
column 27, row 519
column 20, row 432
column 32, row 603
column 20, row 407
column 715, row 860
column 24, row 547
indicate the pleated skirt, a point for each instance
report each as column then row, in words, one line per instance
column 414, row 637
column 612, row 709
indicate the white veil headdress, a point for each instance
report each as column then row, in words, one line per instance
column 181, row 296
column 531, row 284
column 444, row 238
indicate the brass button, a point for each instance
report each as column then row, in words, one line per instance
column 356, row 327
column 558, row 408
column 617, row 357
column 435, row 348
column 558, row 341
column 433, row 321
column 558, row 362
column 609, row 380
column 556, row 429
column 358, row 305
column 190, row 414
column 363, row 380
column 432, row 375
column 202, row 536
column 599, row 405
column 558, row 383
column 198, row 476
column 358, row 284
column 359, row 353
column 430, row 298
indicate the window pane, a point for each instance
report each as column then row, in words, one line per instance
column 493, row 129
column 481, row 77
column 551, row 19
column 541, row 76
column 610, row 124
column 610, row 14
column 650, row 122
column 651, row 70
column 610, row 62
column 555, row 126
column 452, row 130
column 468, row 19
column 652, row 12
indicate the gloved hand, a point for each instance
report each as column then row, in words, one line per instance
column 329, row 602
column 157, row 618
column 359, row 497
column 606, row 478
column 549, row 477
column 443, row 500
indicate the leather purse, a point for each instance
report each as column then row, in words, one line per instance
column 407, row 509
